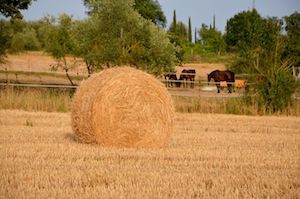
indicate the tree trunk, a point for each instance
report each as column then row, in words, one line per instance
column 89, row 68
column 68, row 76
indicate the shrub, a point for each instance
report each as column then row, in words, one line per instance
column 276, row 87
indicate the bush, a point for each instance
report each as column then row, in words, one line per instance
column 276, row 87
column 26, row 40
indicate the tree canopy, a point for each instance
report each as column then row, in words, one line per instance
column 293, row 37
column 149, row 9
column 130, row 40
column 244, row 30
column 11, row 8
column 212, row 39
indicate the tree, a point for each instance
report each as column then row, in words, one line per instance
column 61, row 43
column 5, row 37
column 277, row 85
column 260, row 45
column 86, row 46
column 244, row 30
column 174, row 24
column 25, row 40
column 42, row 27
column 11, row 8
column 214, row 22
column 292, row 49
column 181, row 31
column 151, row 9
column 212, row 39
column 190, row 36
column 132, row 39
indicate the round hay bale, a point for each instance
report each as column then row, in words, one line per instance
column 123, row 107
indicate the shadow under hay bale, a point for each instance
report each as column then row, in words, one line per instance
column 123, row 107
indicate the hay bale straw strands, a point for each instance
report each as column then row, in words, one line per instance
column 123, row 107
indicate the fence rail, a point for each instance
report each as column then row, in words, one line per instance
column 39, row 85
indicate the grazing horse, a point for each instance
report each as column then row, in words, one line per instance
column 188, row 75
column 219, row 76
column 170, row 78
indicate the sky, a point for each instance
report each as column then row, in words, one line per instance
column 200, row 11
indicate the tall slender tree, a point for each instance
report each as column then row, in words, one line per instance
column 195, row 34
column 174, row 21
column 214, row 22
column 190, row 36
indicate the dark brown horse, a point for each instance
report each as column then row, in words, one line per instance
column 171, row 79
column 188, row 75
column 219, row 76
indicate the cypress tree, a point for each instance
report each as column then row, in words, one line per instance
column 190, row 36
column 174, row 22
column 214, row 22
column 195, row 35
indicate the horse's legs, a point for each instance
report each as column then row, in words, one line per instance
column 229, row 87
column 192, row 82
column 218, row 86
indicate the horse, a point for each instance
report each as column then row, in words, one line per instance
column 188, row 75
column 172, row 77
column 218, row 76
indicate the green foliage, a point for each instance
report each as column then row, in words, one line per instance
column 260, row 45
column 179, row 30
column 26, row 40
column 275, row 85
column 148, row 9
column 17, row 25
column 11, row 8
column 190, row 31
column 5, row 37
column 131, row 40
column 212, row 39
column 293, row 38
column 256, row 37
column 276, row 88
column 60, row 41
column 160, row 53
column 151, row 10
column 244, row 31
column 174, row 24
column 42, row 27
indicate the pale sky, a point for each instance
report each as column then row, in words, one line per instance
column 200, row 11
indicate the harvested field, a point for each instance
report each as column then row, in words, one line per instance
column 38, row 61
column 210, row 156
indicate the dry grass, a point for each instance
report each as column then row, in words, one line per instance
column 38, row 77
column 38, row 61
column 60, row 101
column 210, row 156
column 35, row 99
column 237, row 106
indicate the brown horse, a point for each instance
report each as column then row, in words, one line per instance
column 219, row 76
column 171, row 79
column 188, row 75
